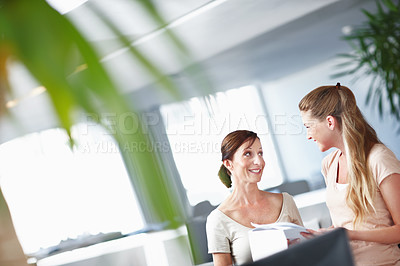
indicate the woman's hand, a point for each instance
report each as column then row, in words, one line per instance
column 313, row 233
column 291, row 242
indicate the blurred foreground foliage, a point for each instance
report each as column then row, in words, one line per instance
column 60, row 58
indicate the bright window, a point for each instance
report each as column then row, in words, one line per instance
column 195, row 130
column 55, row 193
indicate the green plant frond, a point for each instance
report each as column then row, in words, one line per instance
column 370, row 90
column 350, row 71
column 377, row 93
column 43, row 61
column 164, row 81
column 398, row 104
column 369, row 72
column 51, row 54
column 347, row 55
column 186, row 57
column 94, row 79
column 393, row 108
column 5, row 54
column 352, row 44
column 345, row 64
column 155, row 14
column 364, row 44
column 156, row 190
column 128, row 133
column 391, row 5
column 4, row 83
column 345, row 73
column 338, row 75
column 63, row 105
column 369, row 15
column 380, row 107
column 376, row 46
column 150, row 7
column 182, row 51
column 381, row 12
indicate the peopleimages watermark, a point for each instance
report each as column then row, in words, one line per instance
column 197, row 124
column 159, row 147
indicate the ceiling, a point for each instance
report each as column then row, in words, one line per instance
column 236, row 42
column 206, row 27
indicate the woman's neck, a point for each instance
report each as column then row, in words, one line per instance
column 340, row 145
column 246, row 194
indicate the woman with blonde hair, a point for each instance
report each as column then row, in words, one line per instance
column 362, row 176
column 229, row 224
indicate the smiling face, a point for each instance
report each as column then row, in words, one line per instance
column 319, row 131
column 247, row 164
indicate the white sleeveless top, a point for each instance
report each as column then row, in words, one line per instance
column 225, row 235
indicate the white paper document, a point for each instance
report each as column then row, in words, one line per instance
column 267, row 239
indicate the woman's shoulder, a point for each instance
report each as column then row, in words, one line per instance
column 380, row 149
column 215, row 213
column 382, row 155
column 288, row 203
column 275, row 198
column 225, row 206
column 215, row 216
column 287, row 199
column 382, row 162
column 279, row 196
column 330, row 158
column 221, row 211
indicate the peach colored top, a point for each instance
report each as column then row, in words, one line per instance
column 382, row 163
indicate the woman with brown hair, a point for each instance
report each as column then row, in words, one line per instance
column 362, row 176
column 229, row 224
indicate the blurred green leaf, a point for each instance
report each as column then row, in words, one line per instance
column 184, row 53
column 389, row 4
column 4, row 84
column 146, row 63
column 53, row 49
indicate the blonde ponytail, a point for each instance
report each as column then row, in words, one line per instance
column 362, row 187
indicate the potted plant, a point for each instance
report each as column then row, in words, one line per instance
column 376, row 53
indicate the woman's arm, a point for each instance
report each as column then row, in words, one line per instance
column 390, row 189
column 222, row 259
